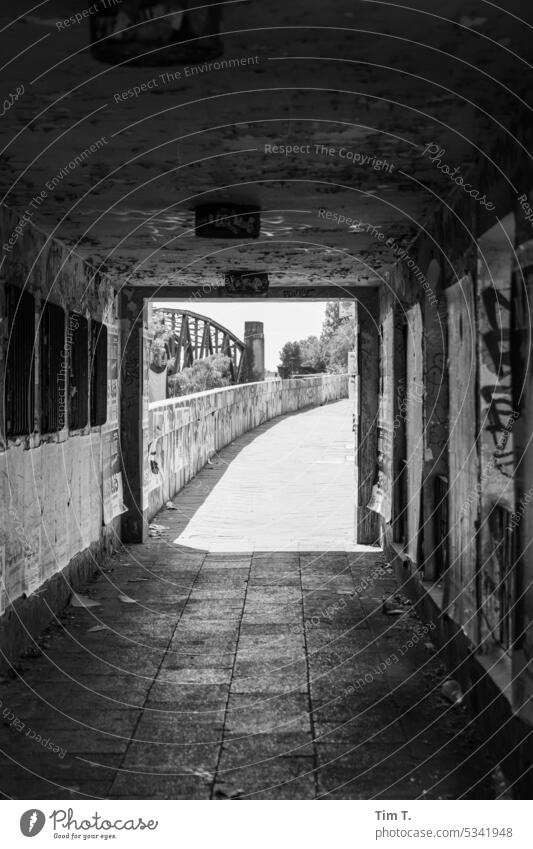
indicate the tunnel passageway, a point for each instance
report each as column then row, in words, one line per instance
column 263, row 669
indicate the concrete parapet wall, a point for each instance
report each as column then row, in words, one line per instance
column 184, row 432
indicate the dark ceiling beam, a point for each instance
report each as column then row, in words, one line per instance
column 196, row 296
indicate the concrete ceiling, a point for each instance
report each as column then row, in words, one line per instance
column 373, row 78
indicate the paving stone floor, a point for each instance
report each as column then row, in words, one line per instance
column 294, row 483
column 234, row 674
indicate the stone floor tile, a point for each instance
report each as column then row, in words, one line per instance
column 282, row 778
column 256, row 748
column 170, row 701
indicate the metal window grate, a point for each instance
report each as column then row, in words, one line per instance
column 98, row 373
column 506, row 553
column 399, row 519
column 52, row 368
column 440, row 524
column 78, row 348
column 399, row 451
column 19, row 393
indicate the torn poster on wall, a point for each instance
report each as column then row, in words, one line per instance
column 347, row 309
column 380, row 501
column 113, row 496
column 21, row 571
column 156, row 462
column 32, row 563
column 147, row 341
column 2, row 578
column 13, row 580
column 112, row 375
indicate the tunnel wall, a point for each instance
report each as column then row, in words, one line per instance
column 465, row 573
column 184, row 432
column 53, row 524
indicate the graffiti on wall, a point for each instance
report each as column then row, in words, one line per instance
column 495, row 388
column 496, row 371
column 497, row 418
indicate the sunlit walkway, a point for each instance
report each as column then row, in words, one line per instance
column 291, row 488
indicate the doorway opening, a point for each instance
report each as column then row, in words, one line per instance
column 270, row 380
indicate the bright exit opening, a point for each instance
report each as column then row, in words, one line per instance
column 288, row 482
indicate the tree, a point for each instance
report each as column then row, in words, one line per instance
column 313, row 357
column 208, row 373
column 156, row 326
column 291, row 357
column 329, row 353
column 331, row 321
column 340, row 343
column 338, row 338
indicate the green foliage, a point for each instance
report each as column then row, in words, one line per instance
column 327, row 354
column 209, row 373
column 156, row 327
column 331, row 321
column 291, row 357
column 313, row 358
column 305, row 356
column 338, row 346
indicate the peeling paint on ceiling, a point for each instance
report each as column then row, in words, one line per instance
column 371, row 79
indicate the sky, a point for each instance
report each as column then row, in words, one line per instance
column 284, row 322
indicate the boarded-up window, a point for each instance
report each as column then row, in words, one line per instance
column 52, row 352
column 500, row 578
column 399, row 406
column 78, row 390
column 439, row 517
column 460, row 600
column 19, row 384
column 414, row 429
column 98, row 373
column 386, row 415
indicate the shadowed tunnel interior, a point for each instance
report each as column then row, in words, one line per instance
column 262, row 674
column 266, row 467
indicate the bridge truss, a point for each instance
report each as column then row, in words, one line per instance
column 194, row 337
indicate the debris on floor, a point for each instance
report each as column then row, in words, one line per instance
column 79, row 600
column 156, row 530
column 451, row 690
column 471, row 22
column 395, row 606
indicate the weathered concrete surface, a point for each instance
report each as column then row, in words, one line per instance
column 27, row 616
column 254, row 339
column 262, row 675
column 485, row 680
column 54, row 515
column 378, row 81
column 367, row 436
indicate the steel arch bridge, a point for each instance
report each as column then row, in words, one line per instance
column 194, row 337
